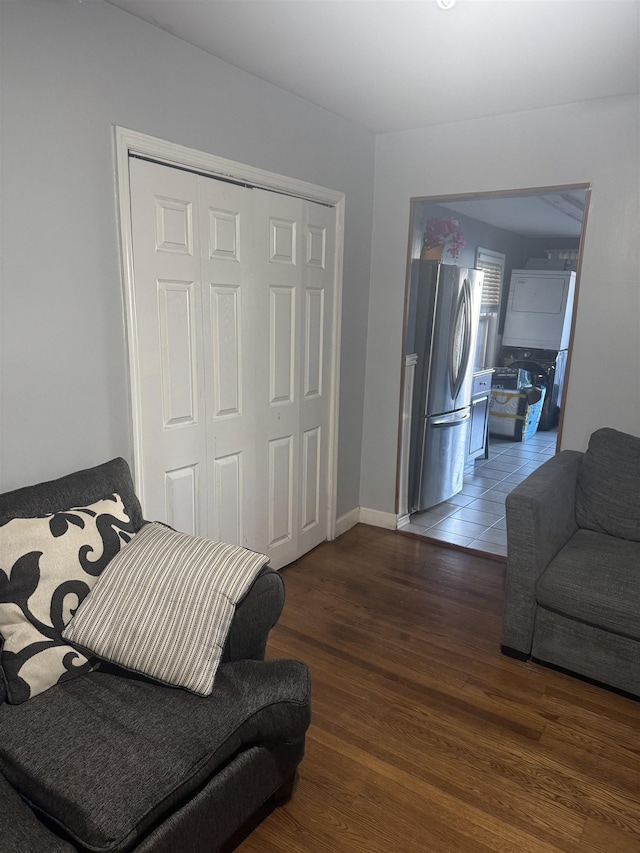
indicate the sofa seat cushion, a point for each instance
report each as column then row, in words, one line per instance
column 595, row 578
column 20, row 829
column 107, row 755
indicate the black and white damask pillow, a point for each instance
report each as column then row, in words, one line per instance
column 47, row 567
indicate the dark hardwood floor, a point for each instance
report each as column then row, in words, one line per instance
column 424, row 737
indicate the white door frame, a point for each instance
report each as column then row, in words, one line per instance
column 131, row 142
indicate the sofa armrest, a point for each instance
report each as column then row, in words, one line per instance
column 255, row 616
column 20, row 829
column 540, row 521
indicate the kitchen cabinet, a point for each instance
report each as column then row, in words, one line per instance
column 480, row 395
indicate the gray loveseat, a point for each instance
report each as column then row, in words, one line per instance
column 108, row 760
column 573, row 562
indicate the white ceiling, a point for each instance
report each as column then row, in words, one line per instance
column 545, row 214
column 393, row 65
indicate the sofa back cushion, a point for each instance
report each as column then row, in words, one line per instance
column 78, row 489
column 608, row 487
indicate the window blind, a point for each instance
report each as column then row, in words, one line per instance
column 492, row 264
column 492, row 282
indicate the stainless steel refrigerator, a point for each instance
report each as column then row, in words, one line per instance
column 443, row 315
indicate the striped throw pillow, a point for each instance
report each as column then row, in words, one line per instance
column 164, row 604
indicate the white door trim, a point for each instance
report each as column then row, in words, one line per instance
column 132, row 142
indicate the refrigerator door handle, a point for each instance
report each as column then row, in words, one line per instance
column 460, row 339
column 450, row 419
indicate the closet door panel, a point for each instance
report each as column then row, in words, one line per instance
column 226, row 225
column 232, row 355
column 169, row 356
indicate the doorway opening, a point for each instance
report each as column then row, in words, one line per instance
column 540, row 230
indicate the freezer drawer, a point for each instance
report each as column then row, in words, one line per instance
column 444, row 444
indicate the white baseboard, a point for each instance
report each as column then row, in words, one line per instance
column 347, row 521
column 403, row 520
column 377, row 518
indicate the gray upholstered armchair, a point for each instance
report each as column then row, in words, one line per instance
column 573, row 562
column 109, row 759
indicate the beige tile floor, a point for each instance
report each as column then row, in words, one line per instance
column 475, row 517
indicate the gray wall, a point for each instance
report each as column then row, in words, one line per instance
column 70, row 72
column 593, row 142
column 516, row 249
column 476, row 234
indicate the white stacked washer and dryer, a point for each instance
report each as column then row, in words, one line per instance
column 537, row 329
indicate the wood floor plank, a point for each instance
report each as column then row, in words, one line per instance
column 603, row 838
column 443, row 801
column 425, row 739
column 463, row 773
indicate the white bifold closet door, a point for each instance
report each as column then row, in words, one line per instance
column 233, row 290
